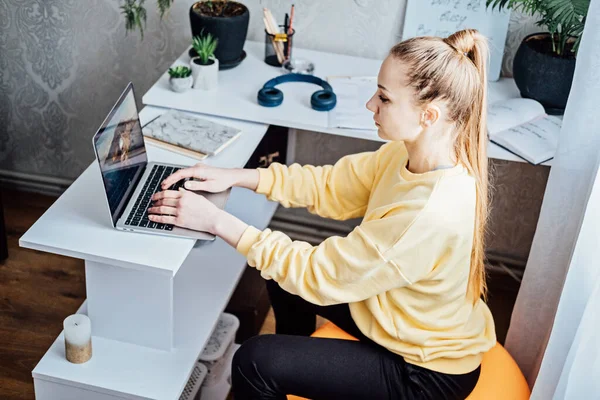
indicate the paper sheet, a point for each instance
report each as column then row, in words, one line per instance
column 506, row 114
column 352, row 93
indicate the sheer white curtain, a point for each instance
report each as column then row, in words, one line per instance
column 555, row 328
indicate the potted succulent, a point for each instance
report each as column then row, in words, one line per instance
column 205, row 67
column 180, row 78
column 228, row 22
column 544, row 64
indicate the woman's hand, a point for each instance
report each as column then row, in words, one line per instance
column 213, row 179
column 194, row 211
column 185, row 209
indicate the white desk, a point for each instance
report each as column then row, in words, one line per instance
column 236, row 94
column 153, row 300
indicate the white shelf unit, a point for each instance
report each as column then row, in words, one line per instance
column 153, row 300
column 202, row 288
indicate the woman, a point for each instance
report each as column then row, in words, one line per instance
column 408, row 281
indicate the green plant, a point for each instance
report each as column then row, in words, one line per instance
column 180, row 71
column 205, row 46
column 564, row 18
column 135, row 13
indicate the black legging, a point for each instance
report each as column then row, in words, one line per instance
column 290, row 362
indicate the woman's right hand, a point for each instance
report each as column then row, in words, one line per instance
column 213, row 179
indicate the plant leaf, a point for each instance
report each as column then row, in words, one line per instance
column 163, row 6
column 563, row 18
column 205, row 45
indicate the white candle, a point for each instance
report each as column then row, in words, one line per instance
column 78, row 338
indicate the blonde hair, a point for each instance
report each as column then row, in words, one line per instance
column 453, row 70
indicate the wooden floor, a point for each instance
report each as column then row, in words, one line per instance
column 37, row 291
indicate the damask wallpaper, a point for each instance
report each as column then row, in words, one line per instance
column 64, row 62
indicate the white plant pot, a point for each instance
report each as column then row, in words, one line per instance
column 181, row 85
column 206, row 77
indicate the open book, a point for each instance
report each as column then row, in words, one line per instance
column 189, row 134
column 522, row 127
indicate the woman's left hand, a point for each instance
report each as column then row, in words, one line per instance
column 185, row 209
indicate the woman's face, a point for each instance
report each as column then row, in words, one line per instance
column 396, row 116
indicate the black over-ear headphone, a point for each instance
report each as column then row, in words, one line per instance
column 321, row 100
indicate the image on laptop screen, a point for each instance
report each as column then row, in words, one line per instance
column 120, row 151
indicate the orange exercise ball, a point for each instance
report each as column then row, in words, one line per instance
column 500, row 377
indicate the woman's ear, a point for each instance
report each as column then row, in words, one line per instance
column 430, row 115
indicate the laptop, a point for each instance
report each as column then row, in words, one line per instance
column 130, row 180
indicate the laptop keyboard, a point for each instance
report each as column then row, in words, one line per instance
column 139, row 213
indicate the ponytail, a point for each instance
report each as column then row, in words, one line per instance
column 471, row 149
column 454, row 69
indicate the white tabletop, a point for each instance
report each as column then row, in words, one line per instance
column 78, row 224
column 238, row 87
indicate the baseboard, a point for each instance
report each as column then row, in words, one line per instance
column 34, row 183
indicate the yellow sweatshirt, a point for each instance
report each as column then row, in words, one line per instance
column 404, row 270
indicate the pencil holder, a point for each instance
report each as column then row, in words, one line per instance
column 278, row 48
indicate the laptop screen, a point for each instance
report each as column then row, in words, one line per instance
column 120, row 151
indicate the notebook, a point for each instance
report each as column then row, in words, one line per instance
column 522, row 127
column 189, row 134
column 175, row 149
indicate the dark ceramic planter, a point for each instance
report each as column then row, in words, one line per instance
column 231, row 32
column 541, row 75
